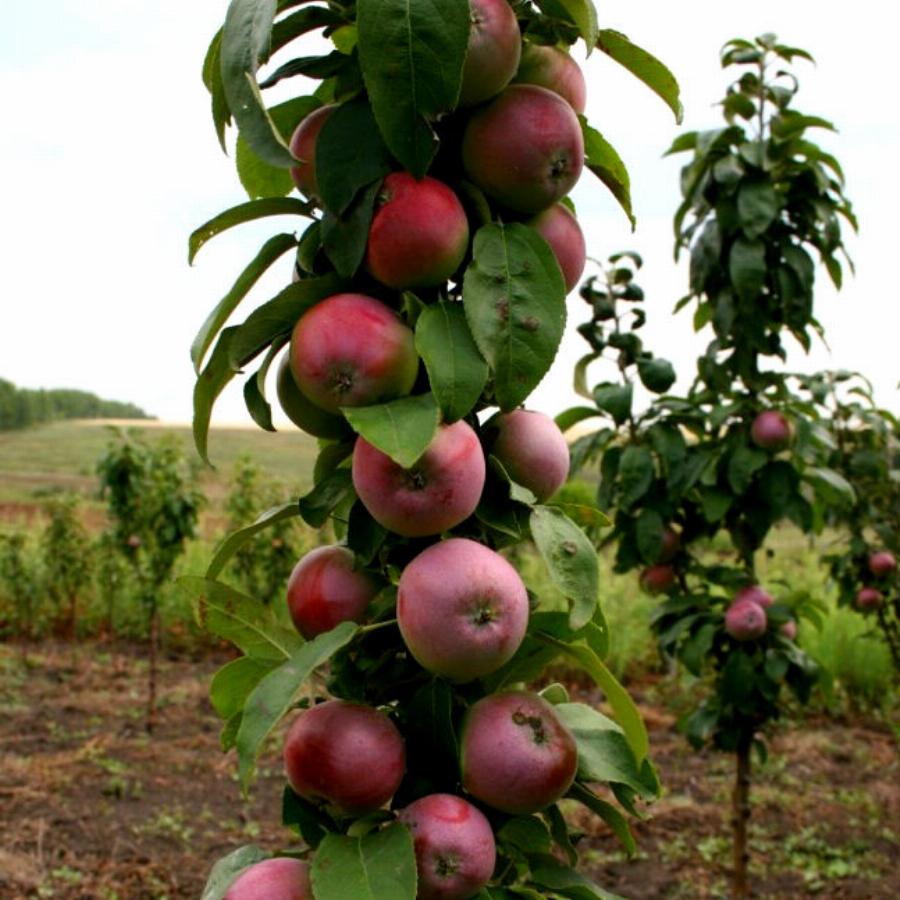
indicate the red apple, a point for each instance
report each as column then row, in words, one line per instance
column 771, row 430
column 882, row 563
column 531, row 448
column 454, row 845
column 352, row 350
column 745, row 620
column 437, row 493
column 349, row 755
column 462, row 609
column 281, row 878
column 525, row 148
column 419, row 233
column 657, row 579
column 555, row 70
column 789, row 630
column 671, row 544
column 560, row 229
column 495, row 46
column 303, row 412
column 869, row 598
column 324, row 590
column 755, row 594
column 516, row 754
column 303, row 148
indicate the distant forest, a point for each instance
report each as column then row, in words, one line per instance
column 20, row 407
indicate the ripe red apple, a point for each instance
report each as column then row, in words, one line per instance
column 303, row 412
column 419, row 233
column 281, row 878
column 869, row 598
column 560, row 229
column 555, row 70
column 789, row 630
column 495, row 46
column 525, row 148
column 745, row 620
column 671, row 544
column 437, row 493
column 349, row 755
column 462, row 609
column 303, row 148
column 771, row 430
column 325, row 590
column 755, row 594
column 516, row 754
column 352, row 350
column 657, row 579
column 454, row 844
column 882, row 563
column 531, row 448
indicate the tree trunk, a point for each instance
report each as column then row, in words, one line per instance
column 151, row 693
column 740, row 819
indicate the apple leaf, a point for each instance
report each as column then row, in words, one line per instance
column 212, row 78
column 329, row 492
column 210, row 383
column 255, row 388
column 747, row 267
column 616, row 821
column 402, row 429
column 582, row 13
column 515, row 303
column 344, row 237
column 601, row 158
column 565, row 882
column 232, row 684
column 225, row 872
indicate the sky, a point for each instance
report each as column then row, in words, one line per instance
column 109, row 160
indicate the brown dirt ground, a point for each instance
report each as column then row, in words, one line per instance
column 92, row 808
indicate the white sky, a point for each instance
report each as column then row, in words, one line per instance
column 109, row 160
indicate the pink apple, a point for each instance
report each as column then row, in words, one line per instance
column 869, row 598
column 745, row 620
column 754, row 593
column 462, row 609
column 771, row 430
column 281, row 878
column 303, row 148
column 555, row 70
column 303, row 412
column 657, row 579
column 789, row 630
column 438, row 492
column 495, row 47
column 560, row 229
column 882, row 563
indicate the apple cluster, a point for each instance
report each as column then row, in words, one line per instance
column 881, row 565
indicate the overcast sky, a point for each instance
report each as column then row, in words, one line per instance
column 109, row 160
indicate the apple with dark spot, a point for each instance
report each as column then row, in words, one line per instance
column 280, row 878
column 495, row 47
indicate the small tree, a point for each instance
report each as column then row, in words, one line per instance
column 66, row 552
column 19, row 577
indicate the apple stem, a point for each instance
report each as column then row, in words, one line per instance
column 366, row 629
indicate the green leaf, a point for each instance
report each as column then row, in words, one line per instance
column 245, row 44
column 210, row 383
column 602, row 159
column 747, row 267
column 232, row 684
column 344, row 238
column 304, row 818
column 608, row 813
column 278, row 692
column 227, row 869
column 245, row 212
column 244, row 621
column 649, row 533
column 583, row 14
column 212, row 78
column 456, row 370
column 657, row 375
column 514, row 300
column 402, row 429
column 742, row 465
column 571, row 560
column 635, row 475
column 643, row 66
column 412, row 57
column 565, row 882
column 526, row 833
column 328, row 493
column 615, row 399
column 236, row 539
column 373, row 867
column 255, row 389
column 757, row 206
column 571, row 417
column 579, row 380
column 831, row 486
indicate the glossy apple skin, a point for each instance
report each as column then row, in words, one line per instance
column 745, row 620
column 531, row 448
column 438, row 492
column 303, row 412
column 755, row 594
column 789, row 630
column 462, row 609
column 771, row 431
column 554, row 69
column 671, row 544
column 560, row 229
column 352, row 350
column 882, row 563
column 516, row 755
column 454, row 845
column 869, row 598
column 349, row 755
column 324, row 590
column 495, row 47
column 281, row 878
column 419, row 233
column 525, row 148
column 303, row 147
column 657, row 579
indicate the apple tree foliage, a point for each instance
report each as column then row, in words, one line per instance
column 394, row 71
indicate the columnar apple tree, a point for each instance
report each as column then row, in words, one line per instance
column 433, row 162
column 739, row 453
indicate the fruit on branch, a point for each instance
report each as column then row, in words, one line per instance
column 525, row 148
column 560, row 229
column 554, row 69
column 419, row 233
column 349, row 755
column 462, row 609
column 438, row 492
column 745, row 620
column 454, row 845
column 771, row 430
column 671, row 544
column 789, row 629
column 869, row 598
column 495, row 47
column 882, row 563
column 516, row 755
column 352, row 350
column 302, row 411
column 324, row 590
column 303, row 148
column 657, row 579
column 281, row 878
column 755, row 594
column 531, row 448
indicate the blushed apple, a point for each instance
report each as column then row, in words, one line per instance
column 495, row 47
column 771, row 431
column 280, row 878
column 554, row 69
column 303, row 148
column 882, row 563
column 755, row 594
column 558, row 226
column 657, row 579
column 745, row 620
column 869, row 598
